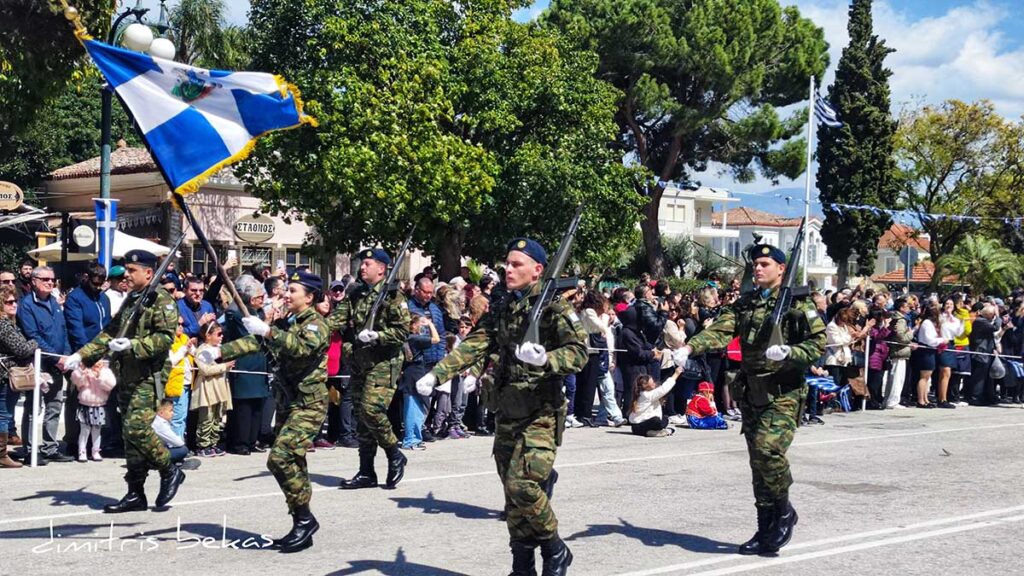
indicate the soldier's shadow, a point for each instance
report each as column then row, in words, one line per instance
column 71, row 498
column 400, row 566
column 431, row 505
column 318, row 479
column 77, row 531
column 656, row 538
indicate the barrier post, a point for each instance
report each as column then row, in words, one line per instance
column 867, row 367
column 36, row 422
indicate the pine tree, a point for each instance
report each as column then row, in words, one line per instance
column 856, row 163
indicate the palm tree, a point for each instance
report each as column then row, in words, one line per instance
column 983, row 264
column 204, row 38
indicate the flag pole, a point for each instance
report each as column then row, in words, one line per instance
column 807, row 187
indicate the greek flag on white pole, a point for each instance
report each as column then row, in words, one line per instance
column 196, row 121
column 825, row 113
column 106, row 226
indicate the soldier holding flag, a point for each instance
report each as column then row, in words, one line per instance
column 771, row 386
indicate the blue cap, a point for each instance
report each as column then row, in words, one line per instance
column 377, row 254
column 308, row 279
column 765, row 250
column 531, row 248
column 172, row 278
column 140, row 257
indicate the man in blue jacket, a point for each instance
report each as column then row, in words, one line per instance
column 41, row 319
column 87, row 311
column 194, row 309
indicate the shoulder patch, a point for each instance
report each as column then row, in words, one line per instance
column 811, row 314
column 169, row 306
column 312, row 327
column 404, row 304
column 574, row 317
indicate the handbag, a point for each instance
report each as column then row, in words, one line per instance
column 22, row 378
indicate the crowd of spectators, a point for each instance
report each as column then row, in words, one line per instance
column 884, row 351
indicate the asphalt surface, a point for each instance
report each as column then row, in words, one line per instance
column 899, row 492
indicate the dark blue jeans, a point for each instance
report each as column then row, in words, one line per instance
column 178, row 454
column 7, row 407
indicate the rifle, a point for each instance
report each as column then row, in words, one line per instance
column 148, row 295
column 371, row 319
column 785, row 300
column 551, row 279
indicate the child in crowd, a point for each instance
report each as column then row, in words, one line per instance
column 211, row 394
column 646, row 416
column 701, row 412
column 164, row 430
column 94, row 385
column 179, row 380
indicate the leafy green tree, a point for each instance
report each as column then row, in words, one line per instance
column 983, row 264
column 961, row 160
column 204, row 38
column 855, row 162
column 700, row 82
column 452, row 116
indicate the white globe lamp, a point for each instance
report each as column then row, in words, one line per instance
column 162, row 48
column 138, row 37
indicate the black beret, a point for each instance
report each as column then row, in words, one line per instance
column 308, row 279
column 377, row 254
column 531, row 248
column 765, row 250
column 140, row 257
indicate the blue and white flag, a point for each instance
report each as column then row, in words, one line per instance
column 197, row 121
column 825, row 113
column 106, row 228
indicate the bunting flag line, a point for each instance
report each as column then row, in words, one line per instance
column 926, row 217
column 196, row 121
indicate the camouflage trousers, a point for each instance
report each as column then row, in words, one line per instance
column 211, row 424
column 143, row 449
column 524, row 451
column 769, row 432
column 372, row 392
column 296, row 431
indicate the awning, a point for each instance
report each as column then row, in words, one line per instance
column 122, row 244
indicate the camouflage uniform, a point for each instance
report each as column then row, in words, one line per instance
column 301, row 397
column 136, row 371
column 527, row 400
column 770, row 394
column 375, row 366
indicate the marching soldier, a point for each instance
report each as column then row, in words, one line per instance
column 137, row 359
column 527, row 398
column 376, row 366
column 300, row 345
column 770, row 388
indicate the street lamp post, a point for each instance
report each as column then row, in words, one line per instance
column 139, row 37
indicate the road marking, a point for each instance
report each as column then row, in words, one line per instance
column 675, row 455
column 978, row 520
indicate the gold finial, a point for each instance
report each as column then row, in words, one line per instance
column 72, row 15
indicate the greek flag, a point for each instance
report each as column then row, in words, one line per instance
column 196, row 121
column 825, row 113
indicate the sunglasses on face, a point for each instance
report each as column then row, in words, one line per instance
column 6, row 281
column 47, row 279
column 9, row 302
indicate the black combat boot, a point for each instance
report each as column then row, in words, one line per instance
column 170, row 480
column 304, row 525
column 548, row 486
column 396, row 466
column 524, row 559
column 782, row 528
column 366, row 477
column 759, row 543
column 133, row 501
column 556, row 557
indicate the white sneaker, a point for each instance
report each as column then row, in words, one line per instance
column 676, row 420
column 961, row 404
column 82, row 457
column 899, row 407
column 572, row 422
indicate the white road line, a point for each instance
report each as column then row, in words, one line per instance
column 976, row 516
column 675, row 455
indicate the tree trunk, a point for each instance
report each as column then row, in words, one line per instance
column 842, row 273
column 449, row 254
column 652, row 238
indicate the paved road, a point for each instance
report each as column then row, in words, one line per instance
column 908, row 492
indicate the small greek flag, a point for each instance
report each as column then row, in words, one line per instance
column 196, row 121
column 825, row 113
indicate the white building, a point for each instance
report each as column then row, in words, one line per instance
column 778, row 231
column 687, row 212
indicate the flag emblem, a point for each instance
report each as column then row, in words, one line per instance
column 191, row 87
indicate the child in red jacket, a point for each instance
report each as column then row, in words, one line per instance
column 701, row 412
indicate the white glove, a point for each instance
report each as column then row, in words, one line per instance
column 119, row 344
column 72, row 362
column 533, row 354
column 367, row 336
column 777, row 353
column 255, row 326
column 680, row 356
column 207, row 356
column 425, row 385
column 469, row 384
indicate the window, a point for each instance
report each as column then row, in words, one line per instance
column 812, row 253
column 294, row 258
column 734, row 248
column 202, row 264
column 255, row 255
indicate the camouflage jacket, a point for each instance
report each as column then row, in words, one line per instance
column 151, row 337
column 748, row 318
column 901, row 333
column 392, row 325
column 301, row 351
column 521, row 390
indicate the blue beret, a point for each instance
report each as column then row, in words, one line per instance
column 765, row 250
column 140, row 257
column 173, row 278
column 377, row 254
column 308, row 279
column 531, row 248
